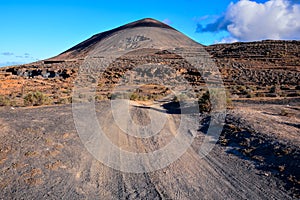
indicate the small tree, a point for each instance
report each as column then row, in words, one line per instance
column 214, row 99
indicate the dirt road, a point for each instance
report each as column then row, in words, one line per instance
column 42, row 157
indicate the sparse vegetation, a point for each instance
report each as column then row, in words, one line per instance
column 101, row 97
column 285, row 112
column 133, row 96
column 65, row 100
column 4, row 101
column 205, row 103
column 180, row 97
column 36, row 99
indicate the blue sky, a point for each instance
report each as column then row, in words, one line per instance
column 39, row 29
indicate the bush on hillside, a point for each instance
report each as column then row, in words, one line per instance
column 36, row 99
column 4, row 101
column 214, row 100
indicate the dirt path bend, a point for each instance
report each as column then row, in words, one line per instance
column 42, row 157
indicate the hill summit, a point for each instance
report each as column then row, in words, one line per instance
column 80, row 50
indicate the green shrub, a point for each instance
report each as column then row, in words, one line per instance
column 133, row 96
column 283, row 112
column 205, row 103
column 241, row 87
column 100, row 97
column 36, row 99
column 65, row 100
column 4, row 101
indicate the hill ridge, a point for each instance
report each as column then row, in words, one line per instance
column 146, row 22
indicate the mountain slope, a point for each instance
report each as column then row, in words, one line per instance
column 82, row 49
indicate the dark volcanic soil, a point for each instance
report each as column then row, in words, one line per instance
column 42, row 157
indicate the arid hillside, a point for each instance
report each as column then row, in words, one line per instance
column 267, row 68
column 249, row 70
column 245, row 74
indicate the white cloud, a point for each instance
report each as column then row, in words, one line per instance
column 248, row 20
column 7, row 54
column 227, row 40
column 4, row 64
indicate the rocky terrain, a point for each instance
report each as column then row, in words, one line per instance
column 260, row 66
column 43, row 157
column 256, row 156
